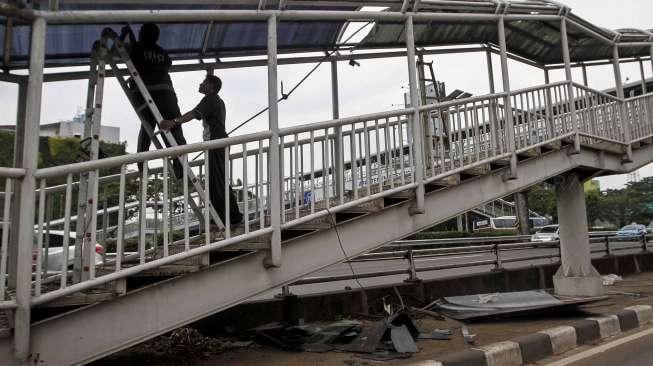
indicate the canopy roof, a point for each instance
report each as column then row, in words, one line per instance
column 537, row 39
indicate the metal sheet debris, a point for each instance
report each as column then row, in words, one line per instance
column 502, row 304
column 402, row 340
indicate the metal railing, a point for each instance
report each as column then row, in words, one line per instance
column 325, row 167
column 495, row 248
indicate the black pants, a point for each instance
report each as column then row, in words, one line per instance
column 166, row 102
column 216, row 188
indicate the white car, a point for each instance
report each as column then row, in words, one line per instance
column 547, row 233
column 55, row 251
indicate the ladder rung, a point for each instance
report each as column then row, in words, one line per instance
column 141, row 107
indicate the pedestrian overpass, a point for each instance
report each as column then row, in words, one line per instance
column 407, row 169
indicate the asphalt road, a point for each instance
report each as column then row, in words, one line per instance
column 402, row 264
column 638, row 352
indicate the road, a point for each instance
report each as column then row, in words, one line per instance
column 633, row 350
column 342, row 269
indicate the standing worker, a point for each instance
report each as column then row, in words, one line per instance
column 153, row 64
column 211, row 111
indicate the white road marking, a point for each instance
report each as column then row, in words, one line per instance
column 602, row 348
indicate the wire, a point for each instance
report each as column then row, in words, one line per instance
column 342, row 248
column 285, row 96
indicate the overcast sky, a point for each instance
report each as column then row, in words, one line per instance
column 374, row 86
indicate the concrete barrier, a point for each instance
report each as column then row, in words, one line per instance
column 505, row 353
column 563, row 338
column 608, row 325
column 644, row 313
column 532, row 348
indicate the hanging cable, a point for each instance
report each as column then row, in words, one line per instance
column 342, row 248
column 285, row 96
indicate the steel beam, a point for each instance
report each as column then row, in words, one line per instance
column 79, row 75
column 27, row 198
column 213, row 290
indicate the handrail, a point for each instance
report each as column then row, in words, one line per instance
column 604, row 94
column 149, row 155
column 343, row 121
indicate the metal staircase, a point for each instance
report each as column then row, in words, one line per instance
column 378, row 202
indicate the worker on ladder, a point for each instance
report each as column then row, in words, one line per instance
column 153, row 64
column 212, row 112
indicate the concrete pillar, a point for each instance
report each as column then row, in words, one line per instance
column 459, row 223
column 576, row 275
column 521, row 209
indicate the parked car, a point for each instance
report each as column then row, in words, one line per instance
column 55, row 251
column 547, row 233
column 632, row 230
column 649, row 228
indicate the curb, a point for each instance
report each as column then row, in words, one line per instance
column 549, row 342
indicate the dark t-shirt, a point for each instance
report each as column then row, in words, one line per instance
column 211, row 111
column 152, row 62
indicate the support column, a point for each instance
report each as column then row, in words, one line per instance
column 493, row 109
column 570, row 87
column 418, row 147
column 274, row 257
column 521, row 209
column 19, row 138
column 576, row 275
column 510, row 122
column 585, row 82
column 27, row 197
column 339, row 157
column 549, row 106
column 643, row 75
column 619, row 87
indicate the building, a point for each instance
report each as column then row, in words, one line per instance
column 73, row 128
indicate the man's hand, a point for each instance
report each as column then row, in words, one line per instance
column 166, row 124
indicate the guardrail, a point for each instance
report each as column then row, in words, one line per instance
column 605, row 242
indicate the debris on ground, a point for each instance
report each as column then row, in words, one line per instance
column 178, row 347
column 609, row 280
column 436, row 334
column 467, row 336
column 506, row 304
column 394, row 336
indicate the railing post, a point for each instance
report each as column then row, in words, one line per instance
column 570, row 86
column 608, row 248
column 412, row 272
column 27, row 196
column 620, row 94
column 339, row 175
column 497, row 253
column 509, row 125
column 274, row 257
column 418, row 146
column 550, row 120
column 644, row 242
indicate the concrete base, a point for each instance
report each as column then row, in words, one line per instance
column 591, row 285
